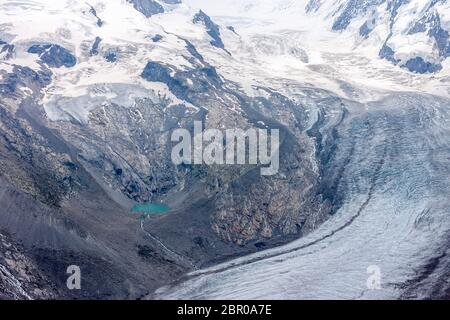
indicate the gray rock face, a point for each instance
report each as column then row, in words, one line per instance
column 147, row 7
column 203, row 78
column 95, row 45
column 417, row 64
column 94, row 13
column 49, row 195
column 421, row 66
column 53, row 55
column 352, row 9
column 211, row 28
column 111, row 55
column 19, row 277
column 6, row 50
column 387, row 53
column 431, row 23
column 313, row 6
column 157, row 38
column 428, row 21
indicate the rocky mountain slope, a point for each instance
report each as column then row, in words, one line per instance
column 89, row 99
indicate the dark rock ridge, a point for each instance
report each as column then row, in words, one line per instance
column 157, row 38
column 211, row 28
column 94, row 13
column 203, row 79
column 429, row 23
column 111, row 55
column 6, row 50
column 352, row 9
column 147, row 7
column 313, row 6
column 387, row 53
column 19, row 277
column 419, row 65
column 49, row 200
column 95, row 45
column 23, row 76
column 231, row 28
column 53, row 55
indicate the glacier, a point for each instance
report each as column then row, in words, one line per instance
column 394, row 216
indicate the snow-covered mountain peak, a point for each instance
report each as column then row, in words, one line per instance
column 90, row 44
column 343, row 46
column 418, row 27
column 343, row 35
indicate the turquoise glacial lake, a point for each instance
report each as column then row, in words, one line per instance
column 150, row 208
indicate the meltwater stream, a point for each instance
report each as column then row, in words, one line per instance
column 393, row 222
column 146, row 210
